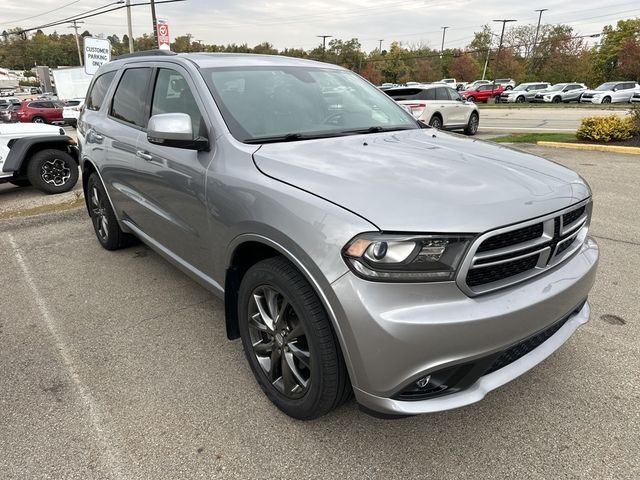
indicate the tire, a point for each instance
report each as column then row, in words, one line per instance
column 38, row 120
column 472, row 125
column 508, row 87
column 436, row 122
column 302, row 337
column 520, row 99
column 21, row 183
column 471, row 99
column 52, row 171
column 556, row 100
column 104, row 221
column 606, row 100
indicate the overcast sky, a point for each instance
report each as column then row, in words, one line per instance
column 295, row 23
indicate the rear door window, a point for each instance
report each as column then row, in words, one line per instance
column 129, row 99
column 99, row 90
column 441, row 93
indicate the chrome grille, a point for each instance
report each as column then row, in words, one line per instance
column 516, row 253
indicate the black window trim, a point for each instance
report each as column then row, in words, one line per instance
column 147, row 100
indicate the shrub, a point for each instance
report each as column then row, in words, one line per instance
column 634, row 113
column 611, row 128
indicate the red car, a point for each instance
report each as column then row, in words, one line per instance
column 38, row 111
column 482, row 93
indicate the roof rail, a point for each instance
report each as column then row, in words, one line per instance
column 146, row 53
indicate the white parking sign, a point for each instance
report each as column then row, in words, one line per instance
column 97, row 52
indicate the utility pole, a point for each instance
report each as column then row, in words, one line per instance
column 444, row 31
column 155, row 22
column 75, row 29
column 324, row 42
column 486, row 62
column 380, row 47
column 129, row 28
column 495, row 73
column 535, row 40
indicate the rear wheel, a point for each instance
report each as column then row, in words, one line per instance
column 105, row 224
column 289, row 342
column 52, row 171
column 472, row 125
column 436, row 122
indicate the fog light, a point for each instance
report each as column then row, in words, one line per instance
column 423, row 382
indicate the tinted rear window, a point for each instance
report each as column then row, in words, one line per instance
column 99, row 90
column 412, row 94
column 129, row 98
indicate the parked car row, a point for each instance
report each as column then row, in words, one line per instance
column 40, row 111
column 505, row 91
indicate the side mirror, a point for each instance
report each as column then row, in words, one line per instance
column 174, row 130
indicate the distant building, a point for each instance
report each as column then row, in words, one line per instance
column 8, row 79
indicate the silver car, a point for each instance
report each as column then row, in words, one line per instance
column 356, row 249
column 561, row 93
column 525, row 92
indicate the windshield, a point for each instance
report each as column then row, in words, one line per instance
column 275, row 103
column 522, row 86
column 607, row 86
column 557, row 87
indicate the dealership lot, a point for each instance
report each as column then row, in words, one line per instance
column 116, row 365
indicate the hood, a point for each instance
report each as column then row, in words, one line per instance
column 423, row 180
column 25, row 129
column 598, row 92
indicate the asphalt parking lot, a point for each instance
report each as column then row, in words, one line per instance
column 116, row 365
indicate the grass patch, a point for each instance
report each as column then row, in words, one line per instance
column 42, row 209
column 535, row 137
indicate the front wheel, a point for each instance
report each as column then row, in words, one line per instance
column 471, row 99
column 288, row 341
column 52, row 171
column 38, row 120
column 606, row 100
column 520, row 99
column 556, row 100
column 472, row 125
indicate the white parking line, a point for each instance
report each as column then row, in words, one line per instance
column 111, row 461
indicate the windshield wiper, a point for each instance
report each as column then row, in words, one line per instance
column 289, row 137
column 376, row 129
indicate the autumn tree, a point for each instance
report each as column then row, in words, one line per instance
column 629, row 59
column 464, row 68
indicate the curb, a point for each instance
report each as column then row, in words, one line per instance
column 596, row 148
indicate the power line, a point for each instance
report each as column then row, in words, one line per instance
column 13, row 22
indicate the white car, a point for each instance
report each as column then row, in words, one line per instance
column 636, row 97
column 611, row 92
column 439, row 106
column 561, row 92
column 71, row 111
column 38, row 154
column 475, row 83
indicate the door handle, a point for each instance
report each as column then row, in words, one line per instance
column 144, row 155
column 96, row 137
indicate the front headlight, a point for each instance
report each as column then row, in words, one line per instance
column 406, row 258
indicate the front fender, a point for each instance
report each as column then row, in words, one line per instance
column 21, row 147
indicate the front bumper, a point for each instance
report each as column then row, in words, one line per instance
column 396, row 334
column 591, row 100
column 507, row 99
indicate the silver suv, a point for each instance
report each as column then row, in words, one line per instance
column 356, row 249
